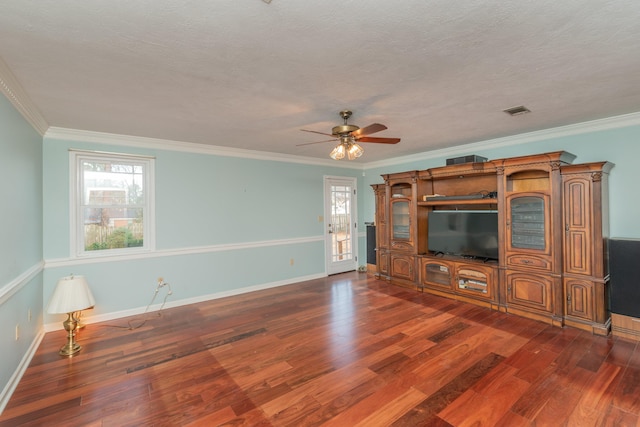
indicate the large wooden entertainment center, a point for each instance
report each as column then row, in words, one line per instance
column 552, row 235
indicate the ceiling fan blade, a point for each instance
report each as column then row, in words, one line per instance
column 378, row 140
column 314, row 131
column 368, row 130
column 317, row 142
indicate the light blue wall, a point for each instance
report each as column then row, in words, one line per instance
column 206, row 206
column 619, row 146
column 20, row 237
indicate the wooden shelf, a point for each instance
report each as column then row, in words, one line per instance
column 487, row 201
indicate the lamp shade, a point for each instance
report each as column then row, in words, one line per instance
column 72, row 293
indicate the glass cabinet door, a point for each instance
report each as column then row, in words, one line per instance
column 528, row 223
column 436, row 273
column 400, row 220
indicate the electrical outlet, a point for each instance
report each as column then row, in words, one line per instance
column 291, row 261
column 29, row 315
column 320, row 218
column 17, row 332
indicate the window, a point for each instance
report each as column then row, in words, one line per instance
column 112, row 204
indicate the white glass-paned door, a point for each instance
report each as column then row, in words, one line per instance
column 341, row 234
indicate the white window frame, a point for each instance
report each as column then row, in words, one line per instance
column 76, row 157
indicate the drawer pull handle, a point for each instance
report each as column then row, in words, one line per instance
column 526, row 261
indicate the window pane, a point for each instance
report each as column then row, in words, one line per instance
column 107, row 183
column 112, row 228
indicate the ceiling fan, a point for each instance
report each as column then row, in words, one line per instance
column 349, row 137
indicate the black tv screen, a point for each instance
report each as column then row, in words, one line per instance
column 464, row 233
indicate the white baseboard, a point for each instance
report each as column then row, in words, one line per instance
column 8, row 390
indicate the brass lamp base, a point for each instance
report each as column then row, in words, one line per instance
column 71, row 347
column 67, row 351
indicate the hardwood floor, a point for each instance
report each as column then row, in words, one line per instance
column 347, row 350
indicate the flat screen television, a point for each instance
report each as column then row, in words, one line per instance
column 464, row 233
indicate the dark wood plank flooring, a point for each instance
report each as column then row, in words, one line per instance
column 347, row 350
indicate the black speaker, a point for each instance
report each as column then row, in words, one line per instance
column 466, row 159
column 371, row 244
column 624, row 273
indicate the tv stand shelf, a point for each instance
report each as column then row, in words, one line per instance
column 459, row 202
column 459, row 278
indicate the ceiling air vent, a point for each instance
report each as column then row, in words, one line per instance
column 516, row 111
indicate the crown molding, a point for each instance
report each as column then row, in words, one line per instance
column 616, row 122
column 14, row 92
column 66, row 134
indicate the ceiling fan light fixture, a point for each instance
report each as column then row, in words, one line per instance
column 354, row 151
column 347, row 147
column 338, row 152
column 348, row 137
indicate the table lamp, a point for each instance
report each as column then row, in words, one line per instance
column 71, row 295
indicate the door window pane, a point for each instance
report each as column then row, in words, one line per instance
column 341, row 223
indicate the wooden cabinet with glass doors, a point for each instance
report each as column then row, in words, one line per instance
column 401, row 195
column 531, row 256
column 552, row 233
column 404, row 226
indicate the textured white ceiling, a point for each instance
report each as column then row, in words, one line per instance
column 247, row 74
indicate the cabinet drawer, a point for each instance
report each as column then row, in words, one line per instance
column 529, row 261
column 403, row 246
